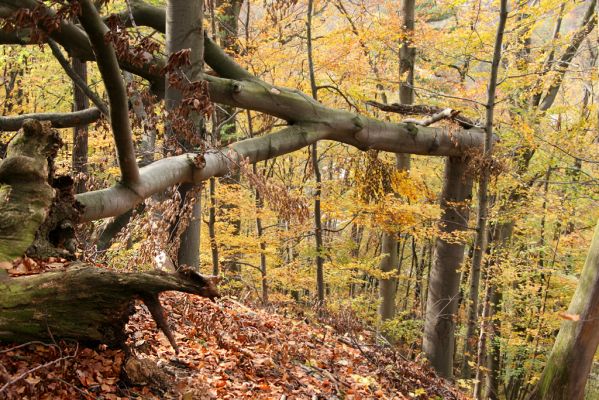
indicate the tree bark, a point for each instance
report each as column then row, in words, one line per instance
column 212, row 228
column 388, row 285
column 444, row 281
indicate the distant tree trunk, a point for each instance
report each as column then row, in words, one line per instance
column 388, row 286
column 444, row 280
column 184, row 30
column 260, row 232
column 482, row 340
column 494, row 354
column 569, row 364
column 225, row 23
column 320, row 285
column 80, row 133
column 356, row 237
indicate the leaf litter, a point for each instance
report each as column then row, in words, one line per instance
column 227, row 351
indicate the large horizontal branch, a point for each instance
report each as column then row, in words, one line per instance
column 195, row 168
column 357, row 130
column 363, row 133
column 58, row 120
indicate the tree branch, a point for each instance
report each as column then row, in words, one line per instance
column 64, row 63
column 115, row 88
column 587, row 25
column 77, row 44
column 420, row 109
column 58, row 120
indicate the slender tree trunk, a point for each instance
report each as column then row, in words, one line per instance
column 212, row 228
column 494, row 353
column 225, row 22
column 480, row 246
column 482, row 341
column 356, row 235
column 444, row 279
column 80, row 133
column 184, row 30
column 260, row 232
column 320, row 284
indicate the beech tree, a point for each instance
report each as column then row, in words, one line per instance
column 202, row 81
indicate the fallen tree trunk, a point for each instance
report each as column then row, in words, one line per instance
column 87, row 303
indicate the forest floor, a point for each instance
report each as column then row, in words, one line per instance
column 227, row 351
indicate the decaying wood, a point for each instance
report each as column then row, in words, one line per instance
column 436, row 113
column 87, row 303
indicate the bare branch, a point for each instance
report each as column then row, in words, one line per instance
column 588, row 23
column 58, row 120
column 419, row 109
column 64, row 63
column 447, row 113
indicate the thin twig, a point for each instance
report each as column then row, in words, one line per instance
column 42, row 366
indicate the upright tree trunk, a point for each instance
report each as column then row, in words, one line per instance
column 444, row 280
column 480, row 246
column 320, row 285
column 184, row 30
column 80, row 133
column 569, row 364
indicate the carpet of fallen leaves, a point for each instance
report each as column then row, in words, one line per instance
column 227, row 351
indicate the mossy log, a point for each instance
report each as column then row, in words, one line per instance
column 26, row 193
column 87, row 303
